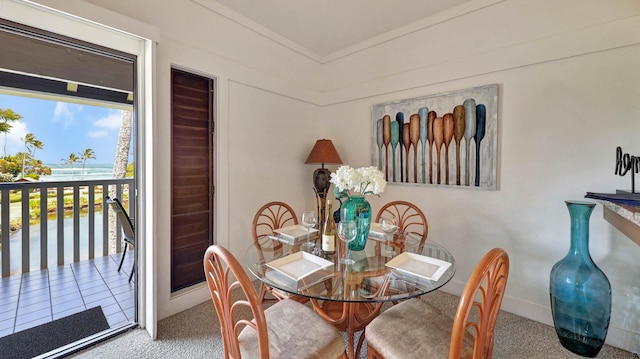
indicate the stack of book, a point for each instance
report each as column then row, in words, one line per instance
column 628, row 199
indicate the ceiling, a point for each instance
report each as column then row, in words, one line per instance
column 325, row 27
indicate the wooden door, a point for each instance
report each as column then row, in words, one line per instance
column 191, row 176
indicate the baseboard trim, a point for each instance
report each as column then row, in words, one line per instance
column 616, row 337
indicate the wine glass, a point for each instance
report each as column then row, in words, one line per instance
column 347, row 232
column 389, row 227
column 309, row 220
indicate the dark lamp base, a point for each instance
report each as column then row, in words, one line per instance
column 321, row 184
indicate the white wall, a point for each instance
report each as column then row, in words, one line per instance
column 569, row 86
column 568, row 95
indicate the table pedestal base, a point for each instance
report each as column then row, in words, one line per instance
column 349, row 317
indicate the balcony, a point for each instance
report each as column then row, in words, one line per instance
column 64, row 257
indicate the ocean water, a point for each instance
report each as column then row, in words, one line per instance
column 62, row 172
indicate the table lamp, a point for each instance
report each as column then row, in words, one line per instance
column 321, row 153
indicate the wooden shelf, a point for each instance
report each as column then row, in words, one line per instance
column 625, row 218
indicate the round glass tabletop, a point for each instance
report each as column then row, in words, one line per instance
column 372, row 277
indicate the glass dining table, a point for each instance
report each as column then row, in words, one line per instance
column 350, row 296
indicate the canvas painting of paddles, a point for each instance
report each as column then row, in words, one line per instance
column 447, row 139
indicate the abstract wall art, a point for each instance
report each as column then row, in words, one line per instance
column 447, row 139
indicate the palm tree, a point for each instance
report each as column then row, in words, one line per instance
column 7, row 115
column 122, row 150
column 120, row 168
column 37, row 145
column 84, row 156
column 29, row 146
column 70, row 161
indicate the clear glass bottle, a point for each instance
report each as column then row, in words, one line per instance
column 329, row 231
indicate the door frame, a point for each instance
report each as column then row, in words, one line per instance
column 87, row 22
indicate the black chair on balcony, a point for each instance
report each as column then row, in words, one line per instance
column 127, row 229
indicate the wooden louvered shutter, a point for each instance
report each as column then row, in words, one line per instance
column 191, row 176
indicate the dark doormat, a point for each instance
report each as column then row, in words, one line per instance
column 58, row 333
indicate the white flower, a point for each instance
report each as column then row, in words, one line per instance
column 365, row 180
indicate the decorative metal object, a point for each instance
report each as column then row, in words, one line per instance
column 626, row 163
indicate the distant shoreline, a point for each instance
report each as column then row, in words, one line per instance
column 64, row 172
column 79, row 166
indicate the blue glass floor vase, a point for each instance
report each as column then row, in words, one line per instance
column 580, row 292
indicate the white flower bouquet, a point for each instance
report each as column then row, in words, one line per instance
column 363, row 180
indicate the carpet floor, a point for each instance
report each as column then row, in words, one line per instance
column 195, row 333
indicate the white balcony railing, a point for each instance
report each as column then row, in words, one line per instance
column 68, row 225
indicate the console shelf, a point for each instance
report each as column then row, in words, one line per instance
column 625, row 218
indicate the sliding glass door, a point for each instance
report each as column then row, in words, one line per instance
column 68, row 129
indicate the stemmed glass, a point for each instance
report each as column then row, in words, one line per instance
column 309, row 220
column 347, row 232
column 389, row 227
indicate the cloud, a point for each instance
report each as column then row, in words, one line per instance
column 14, row 138
column 65, row 113
column 111, row 121
column 97, row 134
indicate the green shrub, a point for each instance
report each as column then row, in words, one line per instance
column 6, row 177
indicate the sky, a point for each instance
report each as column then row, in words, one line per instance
column 63, row 128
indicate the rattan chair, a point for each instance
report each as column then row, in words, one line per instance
column 287, row 329
column 129, row 235
column 272, row 216
column 416, row 329
column 411, row 221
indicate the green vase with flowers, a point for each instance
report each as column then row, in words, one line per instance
column 358, row 183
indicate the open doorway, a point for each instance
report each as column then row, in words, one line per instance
column 62, row 261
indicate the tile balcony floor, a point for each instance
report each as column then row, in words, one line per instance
column 39, row 297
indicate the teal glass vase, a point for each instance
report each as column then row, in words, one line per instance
column 358, row 209
column 580, row 292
